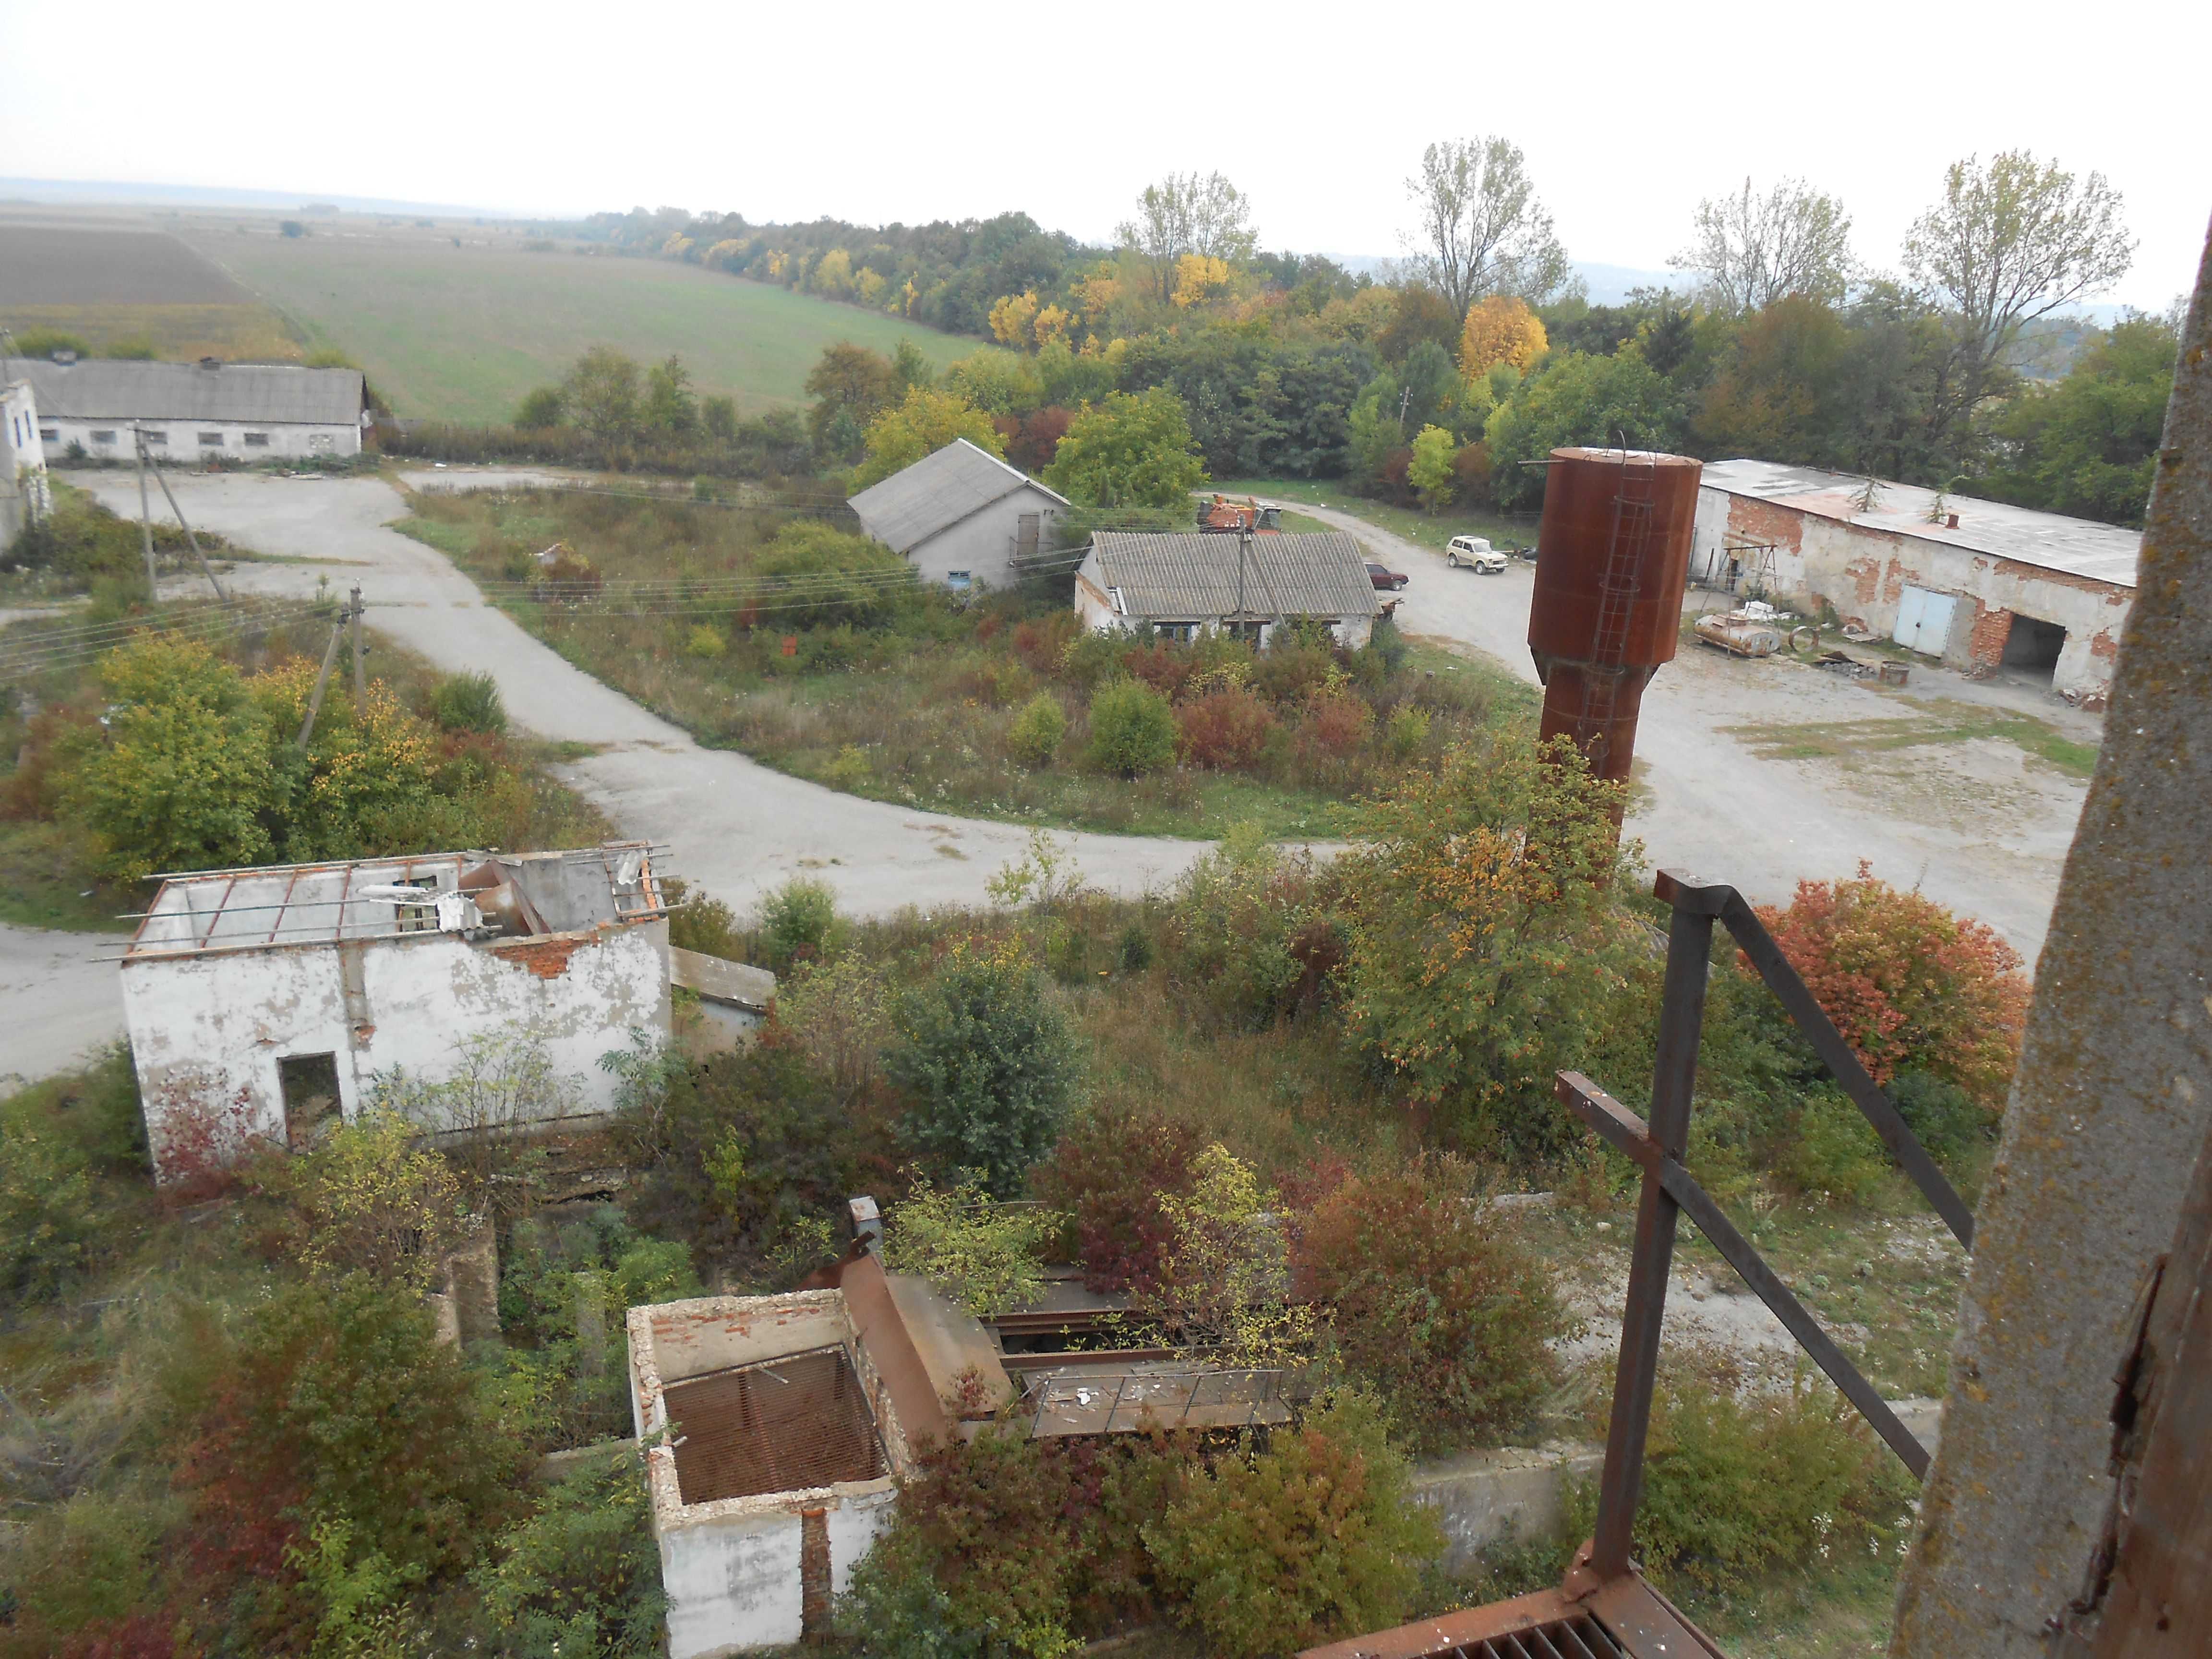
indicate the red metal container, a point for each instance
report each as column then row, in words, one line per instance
column 1612, row 556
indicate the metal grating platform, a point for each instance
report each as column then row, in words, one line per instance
column 1577, row 1637
column 785, row 1425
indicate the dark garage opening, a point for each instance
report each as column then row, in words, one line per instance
column 310, row 1085
column 2031, row 649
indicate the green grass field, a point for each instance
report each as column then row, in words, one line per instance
column 460, row 333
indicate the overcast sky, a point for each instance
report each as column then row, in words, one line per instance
column 1628, row 114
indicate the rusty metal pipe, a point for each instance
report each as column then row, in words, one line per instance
column 1612, row 558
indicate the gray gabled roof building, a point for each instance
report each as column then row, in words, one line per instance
column 250, row 394
column 1192, row 582
column 961, row 514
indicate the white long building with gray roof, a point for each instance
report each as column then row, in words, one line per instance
column 1185, row 584
column 960, row 515
column 191, row 413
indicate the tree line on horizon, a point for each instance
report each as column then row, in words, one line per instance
column 1481, row 350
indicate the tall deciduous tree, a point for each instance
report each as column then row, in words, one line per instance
column 601, row 393
column 1184, row 213
column 922, row 424
column 1501, row 330
column 850, row 385
column 1130, row 451
column 2010, row 242
column 1482, row 230
column 1755, row 248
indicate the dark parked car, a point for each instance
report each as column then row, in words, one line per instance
column 1389, row 580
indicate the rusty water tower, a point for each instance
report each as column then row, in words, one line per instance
column 1612, row 556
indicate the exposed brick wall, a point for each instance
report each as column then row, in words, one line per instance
column 814, row 1574
column 548, row 958
column 1985, row 645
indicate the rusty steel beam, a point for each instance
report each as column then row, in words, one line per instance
column 1681, row 1019
column 1623, row 1130
column 1798, row 1002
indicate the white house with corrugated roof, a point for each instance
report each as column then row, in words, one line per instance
column 192, row 413
column 961, row 516
column 23, row 493
column 1987, row 587
column 1182, row 586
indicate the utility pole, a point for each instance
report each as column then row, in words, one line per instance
column 206, row 569
column 360, row 668
column 329, row 657
column 145, row 513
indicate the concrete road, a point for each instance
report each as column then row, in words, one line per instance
column 732, row 826
column 58, row 999
column 1978, row 826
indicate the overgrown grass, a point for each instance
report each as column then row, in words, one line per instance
column 1942, row 720
column 922, row 708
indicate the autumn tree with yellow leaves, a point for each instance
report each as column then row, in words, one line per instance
column 1484, row 950
column 1501, row 330
column 922, row 424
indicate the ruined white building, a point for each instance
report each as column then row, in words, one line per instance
column 264, row 1002
column 24, row 495
column 773, row 1428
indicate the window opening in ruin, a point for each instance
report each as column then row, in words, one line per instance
column 416, row 918
column 309, row 1085
column 787, row 1425
column 2030, row 650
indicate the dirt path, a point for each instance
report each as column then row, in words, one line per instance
column 1978, row 824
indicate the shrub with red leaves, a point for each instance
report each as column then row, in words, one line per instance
column 1167, row 669
column 1227, row 729
column 1035, row 439
column 1432, row 1297
column 1912, row 987
column 1336, row 725
column 1109, row 1172
column 1039, row 641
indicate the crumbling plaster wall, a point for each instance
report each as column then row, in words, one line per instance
column 1864, row 571
column 732, row 1569
column 207, row 1031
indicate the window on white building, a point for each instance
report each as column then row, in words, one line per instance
column 103, row 437
column 257, row 441
column 161, row 438
column 51, row 434
column 211, row 439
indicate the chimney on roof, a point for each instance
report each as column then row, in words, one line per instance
column 210, row 362
column 1950, row 521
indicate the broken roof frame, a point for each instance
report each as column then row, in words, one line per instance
column 633, row 883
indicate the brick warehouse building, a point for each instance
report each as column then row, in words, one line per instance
column 1987, row 587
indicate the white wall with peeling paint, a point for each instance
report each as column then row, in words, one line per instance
column 207, row 1029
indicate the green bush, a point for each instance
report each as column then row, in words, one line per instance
column 1313, row 1538
column 705, row 643
column 468, row 702
column 982, row 1256
column 339, row 1400
column 1942, row 1116
column 698, row 922
column 540, row 410
column 580, row 1576
column 1132, row 730
column 47, row 1227
column 1034, row 738
column 796, row 921
column 1830, row 1150
column 1739, row 1483
column 1434, row 1302
column 988, row 1066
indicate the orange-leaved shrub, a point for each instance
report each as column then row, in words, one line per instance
column 1224, row 729
column 1912, row 987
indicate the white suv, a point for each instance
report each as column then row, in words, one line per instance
column 1474, row 553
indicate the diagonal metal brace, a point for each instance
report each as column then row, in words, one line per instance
column 1717, row 899
column 1624, row 1130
